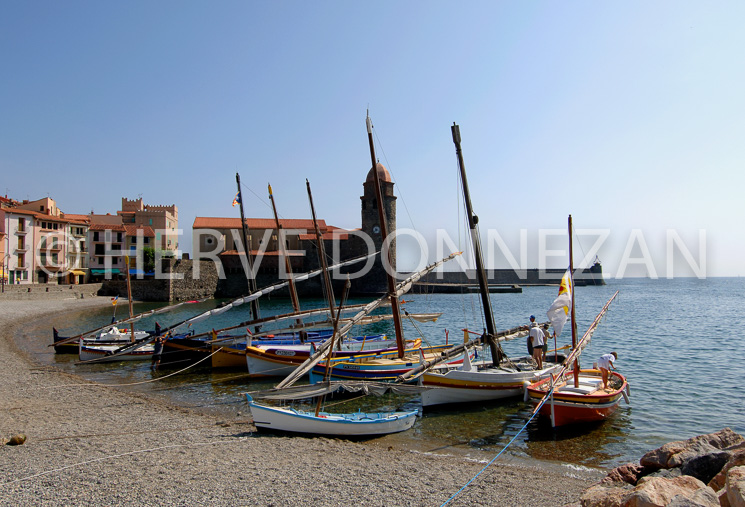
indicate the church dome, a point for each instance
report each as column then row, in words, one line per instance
column 383, row 174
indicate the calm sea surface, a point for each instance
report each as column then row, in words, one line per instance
column 677, row 340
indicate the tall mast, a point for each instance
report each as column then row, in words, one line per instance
column 322, row 255
column 129, row 300
column 574, row 320
column 491, row 329
column 384, row 234
column 255, row 313
column 283, row 251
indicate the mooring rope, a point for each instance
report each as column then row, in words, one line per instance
column 535, row 412
column 93, row 384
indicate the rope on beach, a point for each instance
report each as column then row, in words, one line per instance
column 535, row 412
column 93, row 384
column 114, row 456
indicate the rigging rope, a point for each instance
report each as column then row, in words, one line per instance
column 535, row 412
column 133, row 383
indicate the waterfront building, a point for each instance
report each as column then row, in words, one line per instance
column 221, row 237
column 162, row 219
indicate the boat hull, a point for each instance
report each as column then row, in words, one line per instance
column 587, row 403
column 386, row 367
column 99, row 353
column 281, row 360
column 353, row 424
column 477, row 384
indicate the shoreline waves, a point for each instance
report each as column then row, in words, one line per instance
column 99, row 445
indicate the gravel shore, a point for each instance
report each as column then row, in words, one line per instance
column 102, row 446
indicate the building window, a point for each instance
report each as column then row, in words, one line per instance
column 146, row 240
column 95, row 236
column 21, row 261
column 119, row 237
column 21, row 224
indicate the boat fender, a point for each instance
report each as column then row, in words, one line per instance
column 626, row 394
column 526, row 384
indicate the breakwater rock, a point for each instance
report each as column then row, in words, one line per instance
column 707, row 470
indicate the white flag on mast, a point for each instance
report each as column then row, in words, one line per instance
column 559, row 310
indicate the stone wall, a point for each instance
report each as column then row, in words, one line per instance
column 180, row 286
column 40, row 291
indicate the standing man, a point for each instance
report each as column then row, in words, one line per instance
column 605, row 364
column 537, row 339
column 157, row 350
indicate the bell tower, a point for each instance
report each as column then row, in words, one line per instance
column 375, row 280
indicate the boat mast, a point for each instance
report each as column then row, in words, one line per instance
column 247, row 251
column 129, row 300
column 283, row 251
column 384, row 234
column 574, row 320
column 473, row 220
column 322, row 255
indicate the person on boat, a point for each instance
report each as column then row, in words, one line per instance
column 157, row 351
column 605, row 364
column 530, row 339
column 546, row 336
column 537, row 339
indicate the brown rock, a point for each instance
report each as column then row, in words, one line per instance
column 736, row 486
column 18, row 439
column 659, row 492
column 704, row 497
column 676, row 453
column 602, row 495
column 628, row 473
column 723, row 500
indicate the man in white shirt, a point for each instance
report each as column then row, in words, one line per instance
column 605, row 364
column 538, row 342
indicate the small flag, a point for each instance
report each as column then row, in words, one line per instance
column 270, row 190
column 113, row 300
column 237, row 199
column 559, row 310
column 249, row 332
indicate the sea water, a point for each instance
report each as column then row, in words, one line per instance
column 678, row 344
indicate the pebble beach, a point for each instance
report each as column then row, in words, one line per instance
column 102, row 445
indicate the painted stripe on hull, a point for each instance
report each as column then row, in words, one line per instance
column 354, row 424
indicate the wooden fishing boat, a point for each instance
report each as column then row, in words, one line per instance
column 110, row 353
column 281, row 360
column 358, row 424
column 384, row 367
column 112, row 335
column 502, row 377
column 577, row 396
column 478, row 382
column 585, row 401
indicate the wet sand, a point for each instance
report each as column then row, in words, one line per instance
column 103, row 446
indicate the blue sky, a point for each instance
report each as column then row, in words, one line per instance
column 630, row 116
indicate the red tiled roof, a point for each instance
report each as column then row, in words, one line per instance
column 147, row 231
column 108, row 227
column 327, row 235
column 81, row 218
column 255, row 223
column 268, row 253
